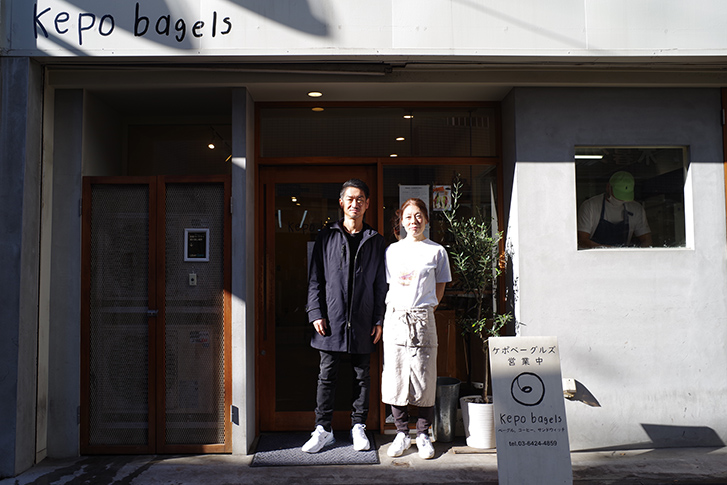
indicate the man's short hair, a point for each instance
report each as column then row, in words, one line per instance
column 357, row 184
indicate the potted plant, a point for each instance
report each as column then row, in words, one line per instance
column 476, row 262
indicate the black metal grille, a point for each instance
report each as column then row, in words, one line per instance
column 119, row 343
column 194, row 326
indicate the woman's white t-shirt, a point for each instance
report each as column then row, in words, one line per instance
column 413, row 269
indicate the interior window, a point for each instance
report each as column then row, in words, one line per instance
column 630, row 196
column 378, row 132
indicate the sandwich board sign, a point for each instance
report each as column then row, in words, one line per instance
column 530, row 422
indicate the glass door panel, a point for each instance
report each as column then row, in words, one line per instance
column 301, row 210
column 298, row 202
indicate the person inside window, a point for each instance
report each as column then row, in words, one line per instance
column 613, row 219
column 417, row 270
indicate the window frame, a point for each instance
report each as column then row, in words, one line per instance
column 647, row 188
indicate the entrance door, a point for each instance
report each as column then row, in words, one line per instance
column 155, row 315
column 296, row 202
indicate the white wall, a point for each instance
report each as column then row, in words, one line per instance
column 567, row 28
column 642, row 329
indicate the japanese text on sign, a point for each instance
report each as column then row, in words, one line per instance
column 530, row 421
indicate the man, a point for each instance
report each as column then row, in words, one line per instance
column 346, row 292
column 612, row 219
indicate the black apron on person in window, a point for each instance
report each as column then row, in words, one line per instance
column 612, row 233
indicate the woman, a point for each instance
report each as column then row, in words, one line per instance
column 417, row 271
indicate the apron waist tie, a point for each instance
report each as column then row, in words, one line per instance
column 411, row 317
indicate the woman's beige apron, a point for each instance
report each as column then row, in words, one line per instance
column 410, row 357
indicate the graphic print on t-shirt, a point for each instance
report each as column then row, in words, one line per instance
column 406, row 277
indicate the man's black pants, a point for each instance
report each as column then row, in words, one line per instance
column 327, row 378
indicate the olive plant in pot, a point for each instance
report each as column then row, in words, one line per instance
column 474, row 253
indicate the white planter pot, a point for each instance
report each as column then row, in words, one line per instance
column 479, row 422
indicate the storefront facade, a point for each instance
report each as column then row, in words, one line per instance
column 119, row 340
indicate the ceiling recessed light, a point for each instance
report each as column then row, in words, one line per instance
column 315, row 94
column 408, row 117
column 400, row 138
column 317, row 108
column 211, row 146
column 393, row 155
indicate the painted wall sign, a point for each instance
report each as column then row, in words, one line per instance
column 530, row 421
column 377, row 27
column 62, row 23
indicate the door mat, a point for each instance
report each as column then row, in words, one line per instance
column 283, row 449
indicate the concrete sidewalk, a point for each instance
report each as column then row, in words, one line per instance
column 453, row 463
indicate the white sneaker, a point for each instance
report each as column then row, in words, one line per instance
column 359, row 438
column 401, row 443
column 426, row 450
column 319, row 438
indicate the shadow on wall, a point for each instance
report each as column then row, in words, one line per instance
column 579, row 392
column 663, row 436
column 299, row 16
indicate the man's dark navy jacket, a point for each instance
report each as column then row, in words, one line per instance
column 350, row 323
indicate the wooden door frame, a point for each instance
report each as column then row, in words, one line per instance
column 267, row 175
column 156, row 354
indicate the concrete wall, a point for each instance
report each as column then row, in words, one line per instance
column 44, row 290
column 20, row 146
column 103, row 138
column 243, row 268
column 642, row 329
column 65, row 274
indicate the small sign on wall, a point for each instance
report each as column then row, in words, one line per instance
column 442, row 198
column 530, row 421
column 197, row 245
